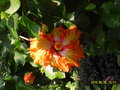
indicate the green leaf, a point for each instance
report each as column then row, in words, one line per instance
column 107, row 6
column 4, row 15
column 68, row 24
column 116, row 87
column 118, row 59
column 59, row 74
column 8, row 78
column 48, row 17
column 112, row 21
column 20, row 57
column 52, row 75
column 14, row 6
column 3, row 5
column 49, row 72
column 96, row 87
column 70, row 85
column 31, row 27
column 15, row 18
column 57, row 2
column 14, row 37
column 87, row 88
column 100, row 34
column 110, row 14
column 69, row 16
column 90, row 6
column 2, row 83
column 2, row 2
column 12, row 24
column 34, row 65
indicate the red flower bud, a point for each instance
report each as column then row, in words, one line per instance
column 29, row 78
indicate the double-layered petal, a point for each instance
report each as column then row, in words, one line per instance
column 60, row 49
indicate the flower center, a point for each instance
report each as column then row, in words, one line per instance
column 58, row 46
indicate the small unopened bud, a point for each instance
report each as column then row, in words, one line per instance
column 29, row 78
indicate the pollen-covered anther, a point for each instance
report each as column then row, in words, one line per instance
column 58, row 46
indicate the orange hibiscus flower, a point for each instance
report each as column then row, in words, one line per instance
column 60, row 49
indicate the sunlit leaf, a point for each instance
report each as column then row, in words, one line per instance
column 14, row 6
column 52, row 75
column 68, row 24
column 12, row 24
column 15, row 17
column 70, row 85
column 59, row 75
column 14, row 39
column 2, row 83
column 57, row 2
column 31, row 27
column 116, row 87
column 20, row 57
column 49, row 72
column 8, row 78
column 34, row 65
column 4, row 15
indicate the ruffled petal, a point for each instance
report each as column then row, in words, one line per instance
column 71, row 34
column 73, row 52
column 42, row 57
column 60, row 63
column 60, row 49
column 56, row 34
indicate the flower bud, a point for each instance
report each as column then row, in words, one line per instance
column 29, row 78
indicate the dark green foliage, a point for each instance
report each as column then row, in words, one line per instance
column 99, row 21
